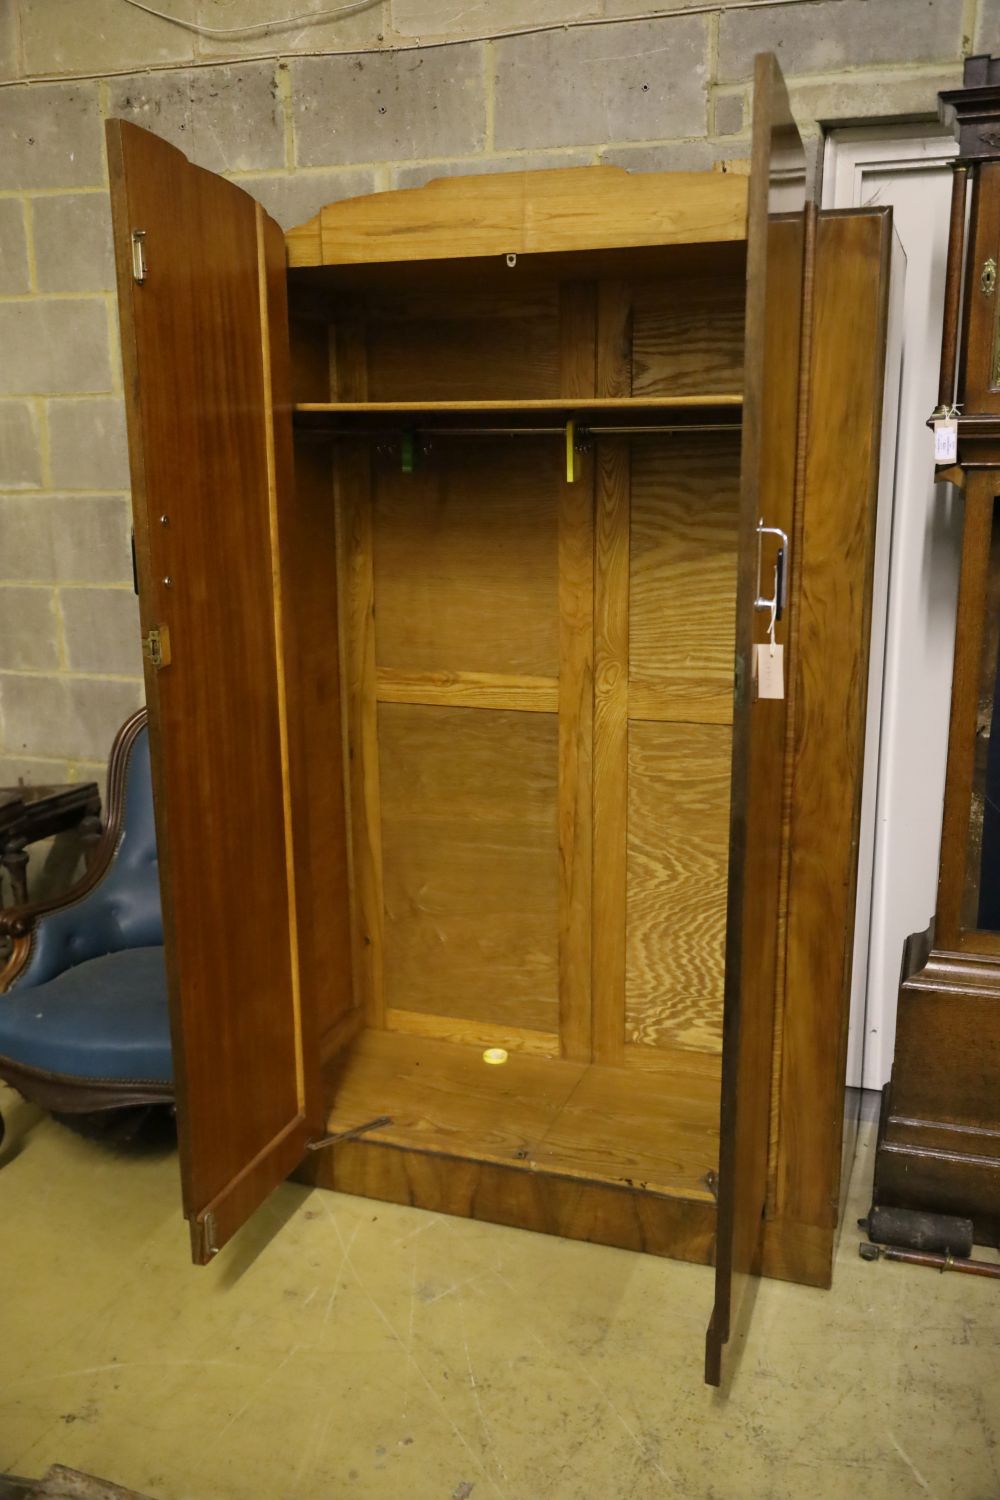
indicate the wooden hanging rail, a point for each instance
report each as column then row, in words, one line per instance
column 306, row 409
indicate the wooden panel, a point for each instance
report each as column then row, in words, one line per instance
column 310, row 350
column 629, row 1219
column 835, row 562
column 539, row 1114
column 316, row 749
column 479, row 1034
column 471, row 863
column 610, row 747
column 442, row 1097
column 196, row 344
column 468, row 690
column 662, row 702
column 467, row 560
column 526, row 212
column 472, row 275
column 660, row 1131
column 685, row 516
column 770, row 480
column 688, row 336
column 348, row 339
column 577, row 342
column 678, row 856
column 477, row 348
column 665, row 1059
column 576, row 712
column 802, row 1253
column 355, row 551
column 611, row 631
column 614, row 341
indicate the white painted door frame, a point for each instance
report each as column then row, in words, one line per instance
column 915, row 587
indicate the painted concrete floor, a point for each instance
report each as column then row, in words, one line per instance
column 358, row 1351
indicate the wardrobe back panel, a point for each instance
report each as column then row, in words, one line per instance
column 678, row 854
column 430, row 346
column 470, row 862
column 466, row 560
column 687, row 336
column 682, row 568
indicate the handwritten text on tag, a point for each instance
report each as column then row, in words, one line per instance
column 769, row 671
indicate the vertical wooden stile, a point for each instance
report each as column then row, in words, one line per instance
column 577, row 352
column 611, row 603
column 355, row 545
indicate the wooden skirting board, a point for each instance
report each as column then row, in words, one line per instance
column 627, row 1218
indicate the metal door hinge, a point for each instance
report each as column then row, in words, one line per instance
column 206, row 1237
column 156, row 646
column 139, row 255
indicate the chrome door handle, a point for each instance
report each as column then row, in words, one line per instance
column 776, row 604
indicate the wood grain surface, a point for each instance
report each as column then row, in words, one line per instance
column 611, row 632
column 355, row 554
column 688, row 335
column 471, row 863
column 194, row 341
column 469, row 689
column 494, row 1193
column 836, row 561
column 594, row 1124
column 576, row 208
column 577, row 375
column 678, row 857
column 466, row 560
column 684, row 523
column 488, row 346
column 770, row 480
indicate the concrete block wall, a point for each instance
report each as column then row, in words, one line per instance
column 390, row 95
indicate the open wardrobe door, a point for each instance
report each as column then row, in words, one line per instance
column 776, row 249
column 201, row 287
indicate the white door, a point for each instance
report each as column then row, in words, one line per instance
column 916, row 582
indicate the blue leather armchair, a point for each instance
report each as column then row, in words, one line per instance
column 83, row 997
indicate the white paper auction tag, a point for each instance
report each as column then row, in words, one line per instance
column 945, row 440
column 769, row 670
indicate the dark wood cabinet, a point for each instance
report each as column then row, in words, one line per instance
column 460, row 512
column 939, row 1140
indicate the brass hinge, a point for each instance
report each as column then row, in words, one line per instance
column 156, row 646
column 139, row 255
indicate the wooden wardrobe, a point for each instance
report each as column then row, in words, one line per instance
column 462, row 514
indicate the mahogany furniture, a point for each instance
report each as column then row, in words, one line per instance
column 29, row 814
column 465, row 515
column 939, row 1140
column 83, row 1010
